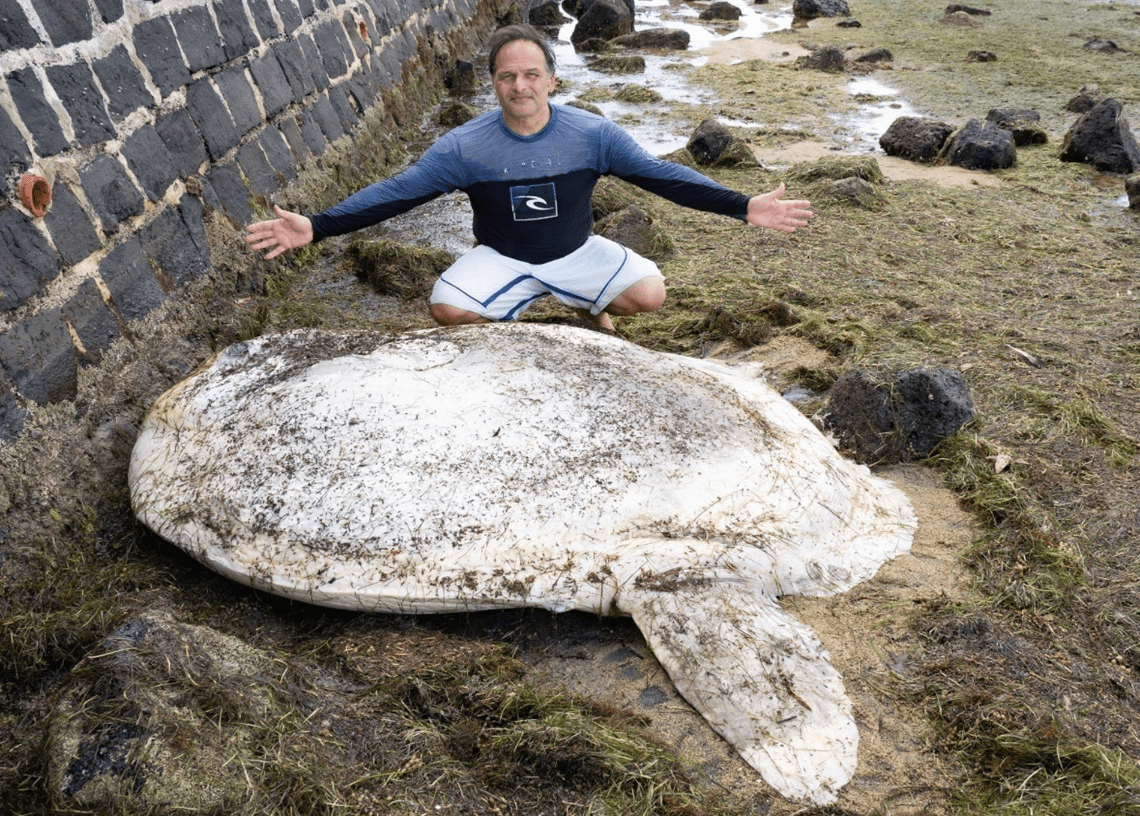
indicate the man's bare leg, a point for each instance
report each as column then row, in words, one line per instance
column 447, row 315
column 646, row 295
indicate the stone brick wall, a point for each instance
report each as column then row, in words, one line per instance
column 138, row 113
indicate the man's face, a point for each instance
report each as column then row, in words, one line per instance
column 522, row 85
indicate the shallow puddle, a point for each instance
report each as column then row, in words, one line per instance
column 714, row 43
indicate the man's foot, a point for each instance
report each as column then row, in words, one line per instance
column 601, row 320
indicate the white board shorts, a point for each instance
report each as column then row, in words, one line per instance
column 500, row 288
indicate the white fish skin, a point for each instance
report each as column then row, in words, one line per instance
column 529, row 465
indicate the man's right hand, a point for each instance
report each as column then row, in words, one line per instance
column 288, row 230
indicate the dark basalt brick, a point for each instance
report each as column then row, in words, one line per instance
column 208, row 197
column 328, row 119
column 27, row 260
column 93, row 322
column 355, row 41
column 295, row 68
column 313, row 58
column 157, row 46
column 312, row 134
column 404, row 46
column 75, row 86
column 263, row 19
column 236, row 89
column 200, row 39
column 109, row 10
column 389, row 64
column 65, row 20
column 150, row 161
column 276, row 92
column 291, row 131
column 71, row 230
column 263, row 180
column 15, row 157
column 238, row 36
column 183, row 141
column 332, row 43
column 346, row 106
column 363, row 90
column 39, row 358
column 110, row 191
column 277, row 151
column 15, row 30
column 209, row 114
column 39, row 117
column 190, row 208
column 227, row 183
column 385, row 18
column 291, row 18
column 170, row 243
column 130, row 280
column 123, row 83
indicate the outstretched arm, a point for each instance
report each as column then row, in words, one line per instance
column 770, row 211
column 288, row 230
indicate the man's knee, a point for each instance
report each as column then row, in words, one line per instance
column 647, row 295
column 448, row 315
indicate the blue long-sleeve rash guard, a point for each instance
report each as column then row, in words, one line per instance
column 530, row 194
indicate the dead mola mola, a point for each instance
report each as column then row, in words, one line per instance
column 530, row 465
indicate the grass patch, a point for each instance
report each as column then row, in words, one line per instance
column 1022, row 757
column 518, row 740
column 396, row 270
column 1028, row 774
column 1041, row 59
column 1023, row 561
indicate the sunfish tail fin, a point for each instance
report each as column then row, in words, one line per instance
column 762, row 680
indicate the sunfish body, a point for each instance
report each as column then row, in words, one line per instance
column 529, row 465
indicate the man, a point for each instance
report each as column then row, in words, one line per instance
column 529, row 169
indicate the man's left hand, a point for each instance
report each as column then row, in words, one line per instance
column 769, row 211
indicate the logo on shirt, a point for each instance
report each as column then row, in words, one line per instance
column 532, row 202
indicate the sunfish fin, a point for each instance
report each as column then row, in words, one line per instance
column 762, row 680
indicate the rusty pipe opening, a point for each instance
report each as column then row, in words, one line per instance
column 35, row 194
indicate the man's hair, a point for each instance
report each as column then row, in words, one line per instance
column 513, row 33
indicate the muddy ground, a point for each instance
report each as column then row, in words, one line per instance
column 992, row 669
